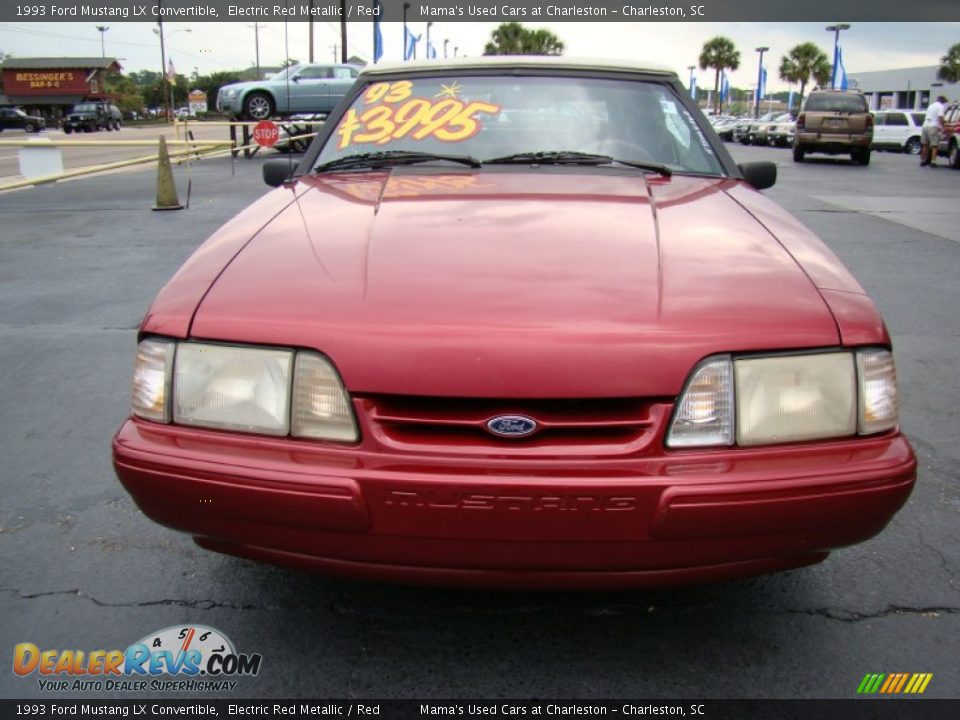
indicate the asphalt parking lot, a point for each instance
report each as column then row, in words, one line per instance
column 80, row 567
column 75, row 157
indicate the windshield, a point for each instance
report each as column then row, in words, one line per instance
column 489, row 118
column 85, row 107
column 282, row 75
column 829, row 102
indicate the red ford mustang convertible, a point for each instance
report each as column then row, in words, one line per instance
column 517, row 322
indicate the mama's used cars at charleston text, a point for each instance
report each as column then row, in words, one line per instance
column 517, row 322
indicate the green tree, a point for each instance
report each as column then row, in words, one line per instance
column 3, row 56
column 125, row 92
column 212, row 83
column 158, row 93
column 720, row 54
column 514, row 39
column 804, row 62
column 144, row 78
column 949, row 69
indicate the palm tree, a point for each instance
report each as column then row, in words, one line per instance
column 950, row 65
column 719, row 53
column 805, row 62
column 543, row 42
column 514, row 39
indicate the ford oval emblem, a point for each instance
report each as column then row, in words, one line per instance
column 512, row 426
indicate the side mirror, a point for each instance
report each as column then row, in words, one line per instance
column 759, row 174
column 295, row 78
column 277, row 172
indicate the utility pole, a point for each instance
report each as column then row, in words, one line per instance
column 334, row 48
column 343, row 31
column 103, row 29
column 310, row 26
column 163, row 60
column 256, row 45
column 760, row 50
column 835, row 29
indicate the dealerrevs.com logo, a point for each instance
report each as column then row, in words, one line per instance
column 180, row 658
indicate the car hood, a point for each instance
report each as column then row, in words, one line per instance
column 521, row 283
column 245, row 85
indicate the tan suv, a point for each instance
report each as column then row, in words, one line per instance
column 835, row 122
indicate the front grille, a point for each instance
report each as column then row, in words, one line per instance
column 604, row 426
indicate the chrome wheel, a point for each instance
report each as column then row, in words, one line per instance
column 259, row 107
column 912, row 146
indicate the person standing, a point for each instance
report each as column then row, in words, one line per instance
column 931, row 131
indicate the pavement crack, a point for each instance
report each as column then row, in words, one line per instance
column 853, row 616
column 203, row 604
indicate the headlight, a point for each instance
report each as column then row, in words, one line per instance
column 230, row 92
column 786, row 398
column 151, row 380
column 232, row 388
column 259, row 390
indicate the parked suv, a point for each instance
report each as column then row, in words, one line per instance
column 91, row 115
column 11, row 117
column 779, row 131
column 897, row 130
column 834, row 122
column 950, row 138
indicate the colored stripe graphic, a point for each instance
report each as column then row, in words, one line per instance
column 891, row 681
column 919, row 682
column 870, row 683
column 900, row 683
column 894, row 683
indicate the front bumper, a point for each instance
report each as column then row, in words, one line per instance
column 665, row 519
column 229, row 105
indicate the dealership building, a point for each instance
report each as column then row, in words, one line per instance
column 51, row 86
column 904, row 88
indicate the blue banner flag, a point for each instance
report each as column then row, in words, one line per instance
column 411, row 51
column 724, row 87
column 840, row 80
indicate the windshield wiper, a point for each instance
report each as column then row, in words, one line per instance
column 550, row 157
column 392, row 157
column 570, row 157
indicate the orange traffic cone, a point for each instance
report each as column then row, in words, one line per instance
column 166, row 187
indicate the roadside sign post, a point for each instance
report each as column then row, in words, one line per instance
column 266, row 133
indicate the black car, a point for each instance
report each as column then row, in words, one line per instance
column 90, row 116
column 11, row 118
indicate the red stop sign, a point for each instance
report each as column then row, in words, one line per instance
column 266, row 133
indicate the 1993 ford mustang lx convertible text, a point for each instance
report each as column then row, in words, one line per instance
column 517, row 322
